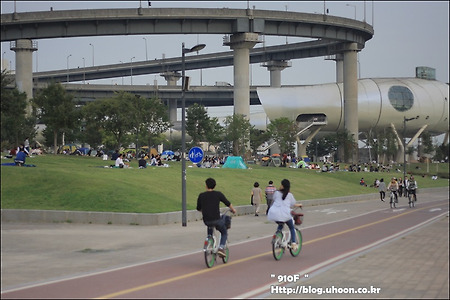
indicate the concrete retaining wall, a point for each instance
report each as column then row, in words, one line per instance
column 60, row 216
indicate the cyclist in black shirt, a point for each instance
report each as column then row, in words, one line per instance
column 209, row 203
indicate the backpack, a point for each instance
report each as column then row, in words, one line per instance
column 411, row 185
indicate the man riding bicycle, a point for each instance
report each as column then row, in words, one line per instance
column 209, row 204
column 412, row 186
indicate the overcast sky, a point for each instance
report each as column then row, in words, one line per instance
column 407, row 34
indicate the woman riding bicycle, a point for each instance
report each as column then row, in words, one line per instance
column 393, row 187
column 280, row 210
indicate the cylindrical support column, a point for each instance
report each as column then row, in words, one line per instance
column 339, row 68
column 172, row 78
column 241, row 81
column 24, row 67
column 275, row 68
column 351, row 95
column 241, row 43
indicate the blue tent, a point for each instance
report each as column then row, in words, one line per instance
column 84, row 150
column 167, row 152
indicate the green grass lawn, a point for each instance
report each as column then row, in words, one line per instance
column 60, row 182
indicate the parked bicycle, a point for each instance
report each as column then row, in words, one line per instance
column 282, row 238
column 211, row 244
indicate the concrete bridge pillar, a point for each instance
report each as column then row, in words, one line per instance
column 351, row 94
column 24, row 49
column 275, row 67
column 172, row 78
column 339, row 59
column 241, row 43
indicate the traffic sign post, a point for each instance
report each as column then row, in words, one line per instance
column 196, row 155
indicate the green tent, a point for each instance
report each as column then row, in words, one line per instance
column 234, row 162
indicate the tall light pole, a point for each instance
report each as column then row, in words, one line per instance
column 131, row 69
column 3, row 60
column 68, row 67
column 183, row 128
column 122, row 73
column 404, row 143
column 354, row 6
column 146, row 55
column 84, row 70
column 92, row 54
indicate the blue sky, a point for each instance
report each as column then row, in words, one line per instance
column 407, row 34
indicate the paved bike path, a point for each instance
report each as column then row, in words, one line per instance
column 44, row 252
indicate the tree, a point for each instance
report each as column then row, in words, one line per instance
column 197, row 123
column 155, row 120
column 202, row 128
column 149, row 116
column 56, row 110
column 257, row 138
column 15, row 125
column 125, row 115
column 237, row 131
column 112, row 115
column 427, row 143
column 283, row 131
column 345, row 141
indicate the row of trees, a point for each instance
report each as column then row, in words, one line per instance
column 126, row 118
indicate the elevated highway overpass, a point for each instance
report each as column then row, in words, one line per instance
column 242, row 29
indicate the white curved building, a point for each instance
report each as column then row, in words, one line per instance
column 382, row 102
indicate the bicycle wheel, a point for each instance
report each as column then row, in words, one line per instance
column 299, row 239
column 392, row 201
column 208, row 249
column 277, row 248
column 225, row 258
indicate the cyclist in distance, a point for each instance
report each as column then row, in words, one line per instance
column 412, row 186
column 393, row 186
column 209, row 204
column 280, row 210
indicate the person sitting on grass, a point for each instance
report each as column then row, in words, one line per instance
column 120, row 163
column 20, row 158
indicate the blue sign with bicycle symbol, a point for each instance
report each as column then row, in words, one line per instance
column 196, row 155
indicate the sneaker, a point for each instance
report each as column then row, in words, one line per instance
column 294, row 246
column 221, row 252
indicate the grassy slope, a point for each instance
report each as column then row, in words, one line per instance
column 81, row 183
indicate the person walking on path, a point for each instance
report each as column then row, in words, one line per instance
column 270, row 189
column 209, row 204
column 256, row 197
column 382, row 189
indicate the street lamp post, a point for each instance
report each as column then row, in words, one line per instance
column 131, row 69
column 183, row 129
column 354, row 6
column 404, row 142
column 146, row 55
column 92, row 54
column 84, row 70
column 68, row 67
column 121, row 72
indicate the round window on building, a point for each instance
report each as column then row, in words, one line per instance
column 401, row 98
